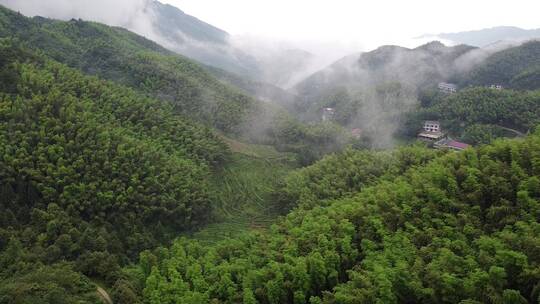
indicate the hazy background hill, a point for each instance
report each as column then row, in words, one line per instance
column 174, row 24
column 199, row 40
column 516, row 67
column 421, row 66
column 363, row 79
column 485, row 37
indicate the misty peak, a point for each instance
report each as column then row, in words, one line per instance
column 432, row 46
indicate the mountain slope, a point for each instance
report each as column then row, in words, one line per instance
column 421, row 66
column 119, row 55
column 91, row 173
column 459, row 228
column 173, row 23
column 371, row 91
column 199, row 40
column 516, row 67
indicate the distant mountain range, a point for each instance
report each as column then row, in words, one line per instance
column 417, row 67
column 485, row 37
column 357, row 81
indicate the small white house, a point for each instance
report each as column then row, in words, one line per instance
column 328, row 114
column 448, row 88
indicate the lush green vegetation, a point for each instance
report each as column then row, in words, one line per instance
column 121, row 166
column 461, row 228
column 245, row 189
column 119, row 55
column 310, row 141
column 478, row 115
column 516, row 67
column 346, row 173
column 91, row 172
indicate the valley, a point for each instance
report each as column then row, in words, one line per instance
column 180, row 168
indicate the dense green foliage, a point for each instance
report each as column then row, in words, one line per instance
column 46, row 284
column 246, row 187
column 462, row 228
column 128, row 59
column 92, row 172
column 118, row 55
column 310, row 141
column 346, row 173
column 480, row 114
column 98, row 170
column 516, row 67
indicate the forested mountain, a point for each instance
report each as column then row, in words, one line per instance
column 485, row 37
column 459, row 228
column 419, row 67
column 132, row 174
column 517, row 67
column 121, row 56
column 371, row 91
column 91, row 173
column 96, row 168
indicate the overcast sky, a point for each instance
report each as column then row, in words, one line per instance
column 371, row 22
column 344, row 25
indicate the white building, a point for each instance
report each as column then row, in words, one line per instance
column 448, row 88
column 328, row 114
column 431, row 131
column 432, row 126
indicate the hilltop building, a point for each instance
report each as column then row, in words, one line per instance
column 448, row 88
column 328, row 114
column 496, row 87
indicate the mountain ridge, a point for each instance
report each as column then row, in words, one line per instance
column 487, row 36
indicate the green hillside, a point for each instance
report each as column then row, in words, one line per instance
column 516, row 67
column 478, row 115
column 121, row 56
column 461, row 228
column 91, row 172
column 133, row 175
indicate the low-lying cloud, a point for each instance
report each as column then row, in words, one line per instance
column 130, row 14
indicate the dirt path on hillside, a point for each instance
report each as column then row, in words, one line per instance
column 518, row 133
column 104, row 295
